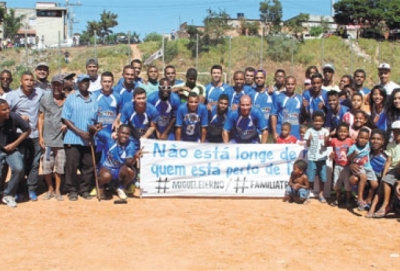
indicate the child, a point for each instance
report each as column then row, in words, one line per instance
column 391, row 174
column 359, row 154
column 361, row 120
column 335, row 112
column 340, row 146
column 317, row 140
column 285, row 137
column 302, row 141
column 298, row 187
column 356, row 101
column 377, row 102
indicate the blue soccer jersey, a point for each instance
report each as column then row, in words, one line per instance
column 333, row 119
column 378, row 163
column 262, row 101
column 234, row 97
column 313, row 102
column 109, row 107
column 215, row 125
column 213, row 93
column 287, row 109
column 379, row 119
column 245, row 129
column 138, row 122
column 166, row 109
column 191, row 122
column 115, row 155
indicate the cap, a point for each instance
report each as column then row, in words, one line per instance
column 384, row 66
column 307, row 82
column 58, row 78
column 396, row 124
column 82, row 77
column 42, row 64
column 92, row 61
column 69, row 75
column 328, row 66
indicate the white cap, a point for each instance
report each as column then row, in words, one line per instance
column 396, row 124
column 384, row 66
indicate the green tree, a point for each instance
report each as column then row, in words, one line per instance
column 153, row 36
column 251, row 27
column 216, row 26
column 295, row 24
column 367, row 12
column 12, row 23
column 107, row 21
column 191, row 46
column 271, row 12
column 280, row 48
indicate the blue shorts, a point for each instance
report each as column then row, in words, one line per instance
column 301, row 193
column 114, row 173
column 316, row 168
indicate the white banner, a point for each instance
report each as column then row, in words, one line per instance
column 178, row 168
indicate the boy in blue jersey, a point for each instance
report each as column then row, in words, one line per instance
column 216, row 119
column 117, row 163
column 140, row 116
column 166, row 103
column 236, row 91
column 314, row 99
column 126, row 86
column 216, row 87
column 192, row 120
column 242, row 125
column 260, row 97
column 335, row 112
column 286, row 108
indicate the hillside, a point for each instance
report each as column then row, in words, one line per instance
column 346, row 55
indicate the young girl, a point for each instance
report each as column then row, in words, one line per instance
column 317, row 140
column 377, row 159
column 377, row 101
column 356, row 101
column 393, row 109
column 359, row 154
column 361, row 120
column 302, row 141
column 340, row 146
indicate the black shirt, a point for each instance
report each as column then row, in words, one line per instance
column 8, row 131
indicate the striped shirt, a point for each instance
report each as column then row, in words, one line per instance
column 81, row 113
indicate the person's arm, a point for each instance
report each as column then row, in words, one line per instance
column 203, row 134
column 83, row 134
column 264, row 136
column 274, row 121
column 306, row 183
column 40, row 129
column 149, row 131
column 10, row 147
column 225, row 136
column 387, row 166
column 168, row 129
column 178, row 133
column 116, row 122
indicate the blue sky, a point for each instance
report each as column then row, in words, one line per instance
column 163, row 16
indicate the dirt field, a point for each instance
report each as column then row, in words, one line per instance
column 194, row 234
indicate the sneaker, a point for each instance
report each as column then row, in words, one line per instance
column 58, row 197
column 73, row 196
column 48, row 196
column 86, row 196
column 10, row 201
column 121, row 193
column 93, row 192
column 363, row 206
column 32, row 196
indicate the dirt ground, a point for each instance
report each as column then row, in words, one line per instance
column 194, row 234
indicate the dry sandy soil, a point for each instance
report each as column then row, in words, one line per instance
column 194, row 234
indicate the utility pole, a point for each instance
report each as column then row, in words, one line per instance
column 71, row 15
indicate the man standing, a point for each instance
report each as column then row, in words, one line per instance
column 216, row 87
column 140, row 116
column 9, row 153
column 166, row 103
column 216, row 119
column 249, row 73
column 80, row 111
column 137, row 66
column 170, row 73
column 42, row 72
column 126, row 85
column 359, row 79
column 152, row 80
column 92, row 67
column 279, row 79
column 242, row 125
column 51, row 133
column 25, row 101
column 329, row 71
column 190, row 85
column 5, row 82
column 192, row 120
column 384, row 72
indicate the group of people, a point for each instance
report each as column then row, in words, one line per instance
column 94, row 124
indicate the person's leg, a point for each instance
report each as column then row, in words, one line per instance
column 33, row 164
column 375, row 201
column 126, row 176
column 87, row 171
column 321, row 170
column 104, row 176
column 47, row 168
column 361, row 187
column 15, row 162
column 387, row 192
column 59, row 165
column 374, row 185
column 73, row 157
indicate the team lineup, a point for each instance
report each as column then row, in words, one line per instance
column 93, row 124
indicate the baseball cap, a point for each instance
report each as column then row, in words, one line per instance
column 384, row 66
column 82, row 77
column 396, row 124
column 328, row 66
column 69, row 75
column 92, row 61
column 58, row 78
column 42, row 64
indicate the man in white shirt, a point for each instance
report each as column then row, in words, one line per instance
column 384, row 72
column 92, row 67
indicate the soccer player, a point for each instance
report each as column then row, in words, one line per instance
column 216, row 119
column 216, row 87
column 126, row 86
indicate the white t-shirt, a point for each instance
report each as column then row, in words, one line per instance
column 95, row 85
column 317, row 149
column 390, row 86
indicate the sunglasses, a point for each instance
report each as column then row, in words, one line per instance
column 5, row 78
column 165, row 87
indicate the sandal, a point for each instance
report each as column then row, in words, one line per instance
column 334, row 203
column 380, row 213
column 322, row 199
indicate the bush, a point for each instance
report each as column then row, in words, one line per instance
column 280, row 47
column 153, row 36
